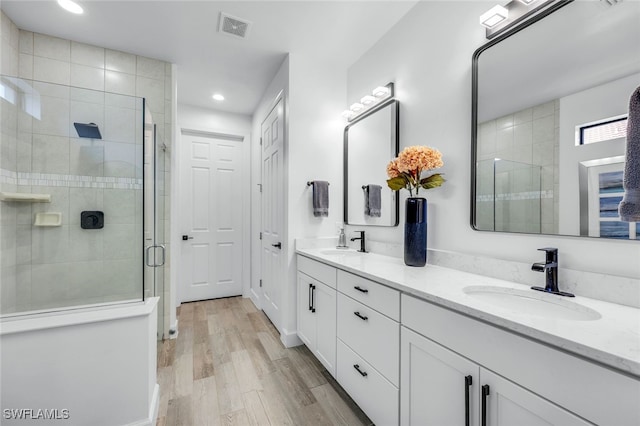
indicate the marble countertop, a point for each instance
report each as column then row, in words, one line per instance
column 613, row 339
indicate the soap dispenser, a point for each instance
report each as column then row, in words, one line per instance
column 342, row 238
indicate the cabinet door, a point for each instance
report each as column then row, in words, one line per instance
column 508, row 404
column 306, row 318
column 324, row 299
column 438, row 386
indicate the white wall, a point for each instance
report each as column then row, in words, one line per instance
column 598, row 103
column 100, row 365
column 428, row 55
column 314, row 96
column 196, row 118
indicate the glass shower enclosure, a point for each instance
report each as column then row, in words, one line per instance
column 81, row 200
column 508, row 196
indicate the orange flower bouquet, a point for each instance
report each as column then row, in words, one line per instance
column 405, row 171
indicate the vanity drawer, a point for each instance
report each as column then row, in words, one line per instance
column 319, row 271
column 377, row 296
column 377, row 397
column 372, row 335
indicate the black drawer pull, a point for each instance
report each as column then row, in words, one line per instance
column 363, row 290
column 468, row 381
column 359, row 315
column 310, row 305
column 313, row 298
column 362, row 373
column 485, row 394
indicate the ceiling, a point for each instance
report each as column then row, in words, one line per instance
column 185, row 33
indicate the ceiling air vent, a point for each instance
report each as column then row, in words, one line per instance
column 610, row 2
column 233, row 26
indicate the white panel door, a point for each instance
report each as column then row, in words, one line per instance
column 438, row 387
column 272, row 132
column 211, row 263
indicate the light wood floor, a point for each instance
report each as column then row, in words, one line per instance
column 228, row 367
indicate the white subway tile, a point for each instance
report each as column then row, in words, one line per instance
column 51, row 47
column 151, row 68
column 25, row 66
column 85, row 54
column 51, row 70
column 87, row 77
column 26, row 42
column 120, row 61
column 121, row 83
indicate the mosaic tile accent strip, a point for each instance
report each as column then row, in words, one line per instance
column 515, row 196
column 70, row 181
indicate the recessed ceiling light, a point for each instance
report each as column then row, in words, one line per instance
column 218, row 97
column 71, row 6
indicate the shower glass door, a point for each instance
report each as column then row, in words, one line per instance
column 154, row 222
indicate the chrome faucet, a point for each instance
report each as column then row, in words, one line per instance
column 362, row 241
column 550, row 269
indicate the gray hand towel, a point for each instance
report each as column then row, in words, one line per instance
column 373, row 200
column 629, row 207
column 320, row 198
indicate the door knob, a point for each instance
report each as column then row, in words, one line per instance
column 278, row 245
column 186, row 237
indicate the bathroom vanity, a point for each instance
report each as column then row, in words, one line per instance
column 420, row 346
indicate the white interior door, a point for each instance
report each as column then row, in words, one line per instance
column 272, row 133
column 212, row 217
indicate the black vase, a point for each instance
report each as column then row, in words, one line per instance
column 415, row 232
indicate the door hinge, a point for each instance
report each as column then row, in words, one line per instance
column 260, row 141
column 260, row 185
column 260, row 283
column 261, row 235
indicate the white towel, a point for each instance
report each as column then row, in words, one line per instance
column 629, row 207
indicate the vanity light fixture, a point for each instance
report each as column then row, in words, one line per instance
column 218, row 97
column 494, row 16
column 369, row 102
column 381, row 91
column 71, row 6
column 357, row 107
column 499, row 19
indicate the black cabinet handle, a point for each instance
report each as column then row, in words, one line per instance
column 362, row 373
column 468, row 381
column 363, row 290
column 359, row 315
column 310, row 307
column 313, row 299
column 485, row 394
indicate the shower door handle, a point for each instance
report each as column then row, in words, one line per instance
column 146, row 256
column 164, row 249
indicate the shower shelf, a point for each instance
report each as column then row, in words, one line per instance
column 24, row 197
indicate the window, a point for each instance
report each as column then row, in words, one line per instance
column 611, row 128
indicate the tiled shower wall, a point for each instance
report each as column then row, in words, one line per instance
column 47, row 153
column 529, row 137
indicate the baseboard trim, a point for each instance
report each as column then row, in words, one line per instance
column 290, row 338
column 154, row 408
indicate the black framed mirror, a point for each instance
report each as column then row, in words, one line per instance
column 550, row 101
column 370, row 143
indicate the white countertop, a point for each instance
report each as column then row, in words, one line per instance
column 613, row 339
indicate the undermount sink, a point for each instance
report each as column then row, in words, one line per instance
column 339, row 252
column 532, row 303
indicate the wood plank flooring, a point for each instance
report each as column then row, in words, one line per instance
column 228, row 367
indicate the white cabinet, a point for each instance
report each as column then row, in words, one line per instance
column 317, row 312
column 369, row 346
column 440, row 387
